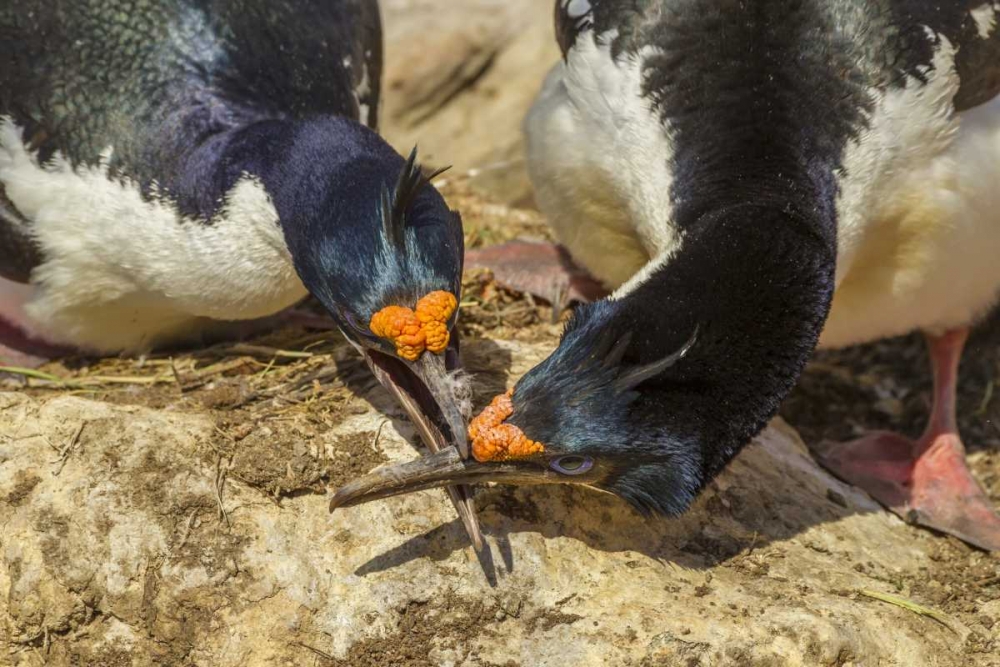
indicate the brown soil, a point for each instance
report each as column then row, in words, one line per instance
column 271, row 399
column 209, row 465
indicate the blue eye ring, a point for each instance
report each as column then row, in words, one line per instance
column 571, row 464
column 353, row 322
column 361, row 330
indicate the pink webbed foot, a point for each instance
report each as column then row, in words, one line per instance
column 543, row 270
column 925, row 482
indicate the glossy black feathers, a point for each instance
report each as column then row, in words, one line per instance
column 891, row 39
column 345, row 252
column 157, row 79
column 633, row 377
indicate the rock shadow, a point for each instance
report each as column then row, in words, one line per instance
column 773, row 491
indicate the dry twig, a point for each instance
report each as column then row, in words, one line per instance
column 65, row 451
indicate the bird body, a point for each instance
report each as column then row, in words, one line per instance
column 916, row 210
column 788, row 174
column 754, row 179
column 126, row 273
column 122, row 161
column 170, row 166
column 919, row 230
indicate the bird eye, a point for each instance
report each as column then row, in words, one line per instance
column 572, row 464
column 354, row 322
column 357, row 326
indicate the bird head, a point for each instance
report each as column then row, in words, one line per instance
column 592, row 413
column 383, row 253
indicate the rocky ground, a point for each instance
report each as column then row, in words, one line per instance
column 172, row 510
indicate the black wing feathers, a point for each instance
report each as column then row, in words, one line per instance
column 19, row 254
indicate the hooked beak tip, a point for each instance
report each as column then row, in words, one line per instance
column 339, row 500
column 334, row 503
column 423, row 473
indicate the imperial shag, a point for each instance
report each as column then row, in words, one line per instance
column 753, row 179
column 171, row 166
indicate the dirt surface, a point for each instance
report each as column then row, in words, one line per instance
column 172, row 510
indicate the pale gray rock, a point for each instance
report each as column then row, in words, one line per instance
column 113, row 551
column 459, row 80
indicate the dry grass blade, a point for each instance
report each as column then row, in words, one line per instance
column 259, row 351
column 221, row 472
column 48, row 380
column 187, row 530
column 98, row 380
column 31, row 373
column 910, row 605
column 989, row 581
column 987, row 397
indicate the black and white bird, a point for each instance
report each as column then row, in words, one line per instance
column 168, row 167
column 753, row 178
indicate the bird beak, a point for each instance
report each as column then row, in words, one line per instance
column 446, row 392
column 441, row 469
column 431, row 396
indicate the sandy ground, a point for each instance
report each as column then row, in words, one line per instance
column 172, row 510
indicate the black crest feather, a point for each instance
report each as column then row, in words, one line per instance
column 635, row 376
column 396, row 204
column 603, row 364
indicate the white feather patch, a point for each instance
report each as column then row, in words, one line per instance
column 123, row 273
column 363, row 90
column 598, row 156
column 985, row 16
column 919, row 214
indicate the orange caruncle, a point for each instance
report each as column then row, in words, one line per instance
column 413, row 332
column 492, row 440
column 436, row 307
column 433, row 312
column 437, row 336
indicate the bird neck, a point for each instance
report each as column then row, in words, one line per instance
column 756, row 280
column 326, row 178
column 288, row 157
column 306, row 166
column 322, row 179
